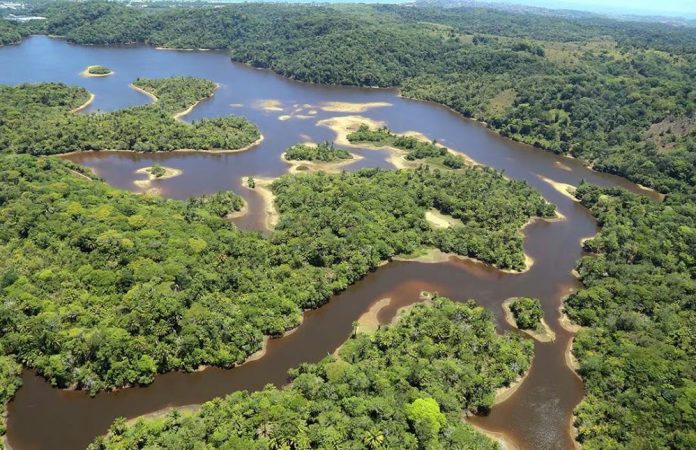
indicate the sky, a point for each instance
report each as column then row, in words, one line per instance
column 683, row 8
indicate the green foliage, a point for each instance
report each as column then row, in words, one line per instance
column 36, row 119
column 329, row 218
column 324, row 152
column 587, row 87
column 637, row 354
column 527, row 313
column 157, row 171
column 98, row 70
column 404, row 387
column 10, row 381
column 105, row 288
column 416, row 148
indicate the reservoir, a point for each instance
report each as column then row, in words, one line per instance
column 536, row 416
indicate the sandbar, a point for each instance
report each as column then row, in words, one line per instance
column 350, row 107
column 263, row 188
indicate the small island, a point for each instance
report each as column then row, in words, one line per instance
column 155, row 172
column 97, row 71
column 525, row 314
column 310, row 157
column 324, row 152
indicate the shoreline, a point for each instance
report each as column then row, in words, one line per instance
column 85, row 73
column 180, row 114
column 262, row 188
column 84, row 105
column 243, row 211
column 152, row 96
column 144, row 184
column 546, row 334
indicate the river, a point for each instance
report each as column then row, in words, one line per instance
column 536, row 416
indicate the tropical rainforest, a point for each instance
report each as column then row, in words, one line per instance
column 38, row 119
column 405, row 386
column 618, row 95
column 104, row 288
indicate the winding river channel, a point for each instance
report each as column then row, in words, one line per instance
column 536, row 416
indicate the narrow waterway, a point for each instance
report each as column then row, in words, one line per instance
column 537, row 416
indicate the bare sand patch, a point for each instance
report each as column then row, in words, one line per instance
column 161, row 413
column 268, row 105
column 565, row 321
column 543, row 334
column 350, row 107
column 84, row 105
column 263, row 188
column 85, row 73
column 439, row 220
column 236, row 105
column 566, row 189
column 368, row 322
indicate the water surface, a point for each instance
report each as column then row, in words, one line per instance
column 535, row 417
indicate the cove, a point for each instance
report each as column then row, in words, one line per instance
column 287, row 112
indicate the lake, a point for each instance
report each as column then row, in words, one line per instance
column 536, row 416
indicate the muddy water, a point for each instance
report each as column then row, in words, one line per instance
column 536, row 416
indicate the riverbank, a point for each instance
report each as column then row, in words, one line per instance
column 152, row 96
column 543, row 333
column 84, row 105
column 263, row 188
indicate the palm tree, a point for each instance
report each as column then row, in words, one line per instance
column 374, row 438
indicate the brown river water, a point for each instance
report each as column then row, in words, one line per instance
column 536, row 416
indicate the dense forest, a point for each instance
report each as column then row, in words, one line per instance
column 404, row 387
column 113, row 287
column 638, row 351
column 105, row 288
column 619, row 95
column 527, row 313
column 322, row 152
column 38, row 119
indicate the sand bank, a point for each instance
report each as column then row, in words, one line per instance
column 566, row 189
column 263, row 188
column 152, row 96
column 268, row 105
column 237, row 214
column 351, row 107
column 84, row 105
column 543, row 334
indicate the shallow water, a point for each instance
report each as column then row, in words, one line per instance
column 536, row 416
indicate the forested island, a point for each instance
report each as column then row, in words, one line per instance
column 87, row 267
column 38, row 119
column 405, row 386
column 323, row 152
column 97, row 71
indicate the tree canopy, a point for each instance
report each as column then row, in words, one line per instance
column 404, row 387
